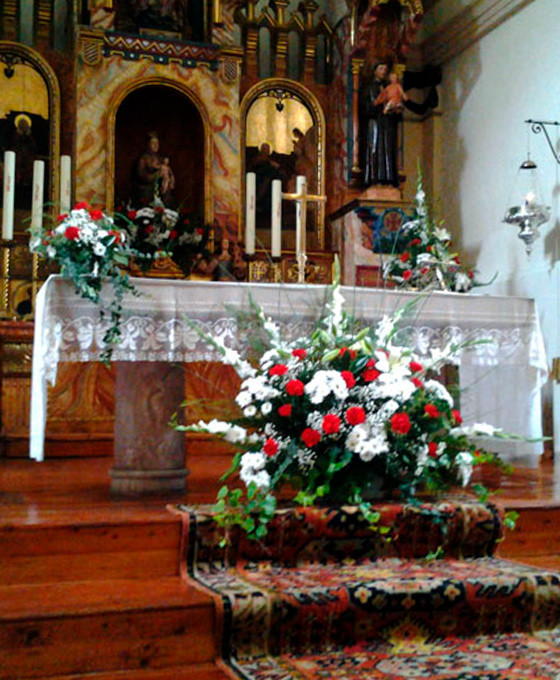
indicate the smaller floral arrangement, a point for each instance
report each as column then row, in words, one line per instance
column 425, row 259
column 156, row 231
column 339, row 415
column 90, row 250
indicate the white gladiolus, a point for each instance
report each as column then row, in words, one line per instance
column 235, row 434
column 250, row 411
column 243, row 398
column 439, row 391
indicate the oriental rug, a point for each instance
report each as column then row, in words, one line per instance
column 324, row 596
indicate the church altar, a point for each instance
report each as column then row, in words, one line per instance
column 500, row 380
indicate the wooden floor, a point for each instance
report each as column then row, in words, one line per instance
column 91, row 583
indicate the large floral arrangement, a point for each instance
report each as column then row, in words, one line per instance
column 156, row 231
column 91, row 251
column 426, row 259
column 336, row 415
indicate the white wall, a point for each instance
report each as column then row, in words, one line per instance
column 511, row 74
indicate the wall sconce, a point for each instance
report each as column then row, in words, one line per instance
column 531, row 213
column 538, row 126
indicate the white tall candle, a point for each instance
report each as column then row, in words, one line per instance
column 276, row 219
column 37, row 201
column 301, row 187
column 250, row 213
column 8, row 195
column 65, row 183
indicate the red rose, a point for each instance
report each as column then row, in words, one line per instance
column 131, row 214
column 355, row 415
column 270, row 447
column 470, row 274
column 285, row 410
column 457, row 416
column 61, row 217
column 310, row 437
column 331, row 423
column 72, row 233
column 417, row 382
column 159, row 210
column 95, row 214
column 424, row 271
column 415, row 242
column 295, row 388
column 400, row 423
column 81, row 206
column 149, row 228
column 371, row 374
column 299, row 353
column 278, row 369
column 114, row 233
column 431, row 411
column 173, row 234
column 415, row 367
column 407, row 274
column 404, row 257
column 348, row 378
column 351, row 352
column 432, row 449
column 200, row 231
column 429, row 249
column 456, row 259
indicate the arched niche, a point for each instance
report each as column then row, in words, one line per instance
column 288, row 118
column 29, row 123
column 183, row 129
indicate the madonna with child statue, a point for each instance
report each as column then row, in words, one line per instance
column 152, row 177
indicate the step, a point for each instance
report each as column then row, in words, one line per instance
column 89, row 551
column 535, row 532
column 199, row 671
column 86, row 627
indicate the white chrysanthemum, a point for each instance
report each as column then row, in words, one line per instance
column 439, row 391
column 254, row 384
column 243, row 398
column 266, row 408
column 464, row 462
column 324, row 383
column 99, row 249
column 250, row 411
column 374, row 446
column 357, row 436
column 393, row 386
column 51, row 252
column 252, row 469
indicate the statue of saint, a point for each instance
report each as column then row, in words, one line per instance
column 378, row 132
column 153, row 177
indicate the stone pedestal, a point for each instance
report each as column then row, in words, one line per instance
column 149, row 456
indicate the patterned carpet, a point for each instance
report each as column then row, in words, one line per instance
column 323, row 596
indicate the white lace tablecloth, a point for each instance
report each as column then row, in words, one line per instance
column 500, row 380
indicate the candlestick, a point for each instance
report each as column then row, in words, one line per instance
column 301, row 189
column 250, row 213
column 276, row 222
column 65, row 183
column 38, row 187
column 9, row 194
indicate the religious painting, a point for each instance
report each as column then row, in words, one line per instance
column 283, row 140
column 162, row 18
column 159, row 151
column 24, row 129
